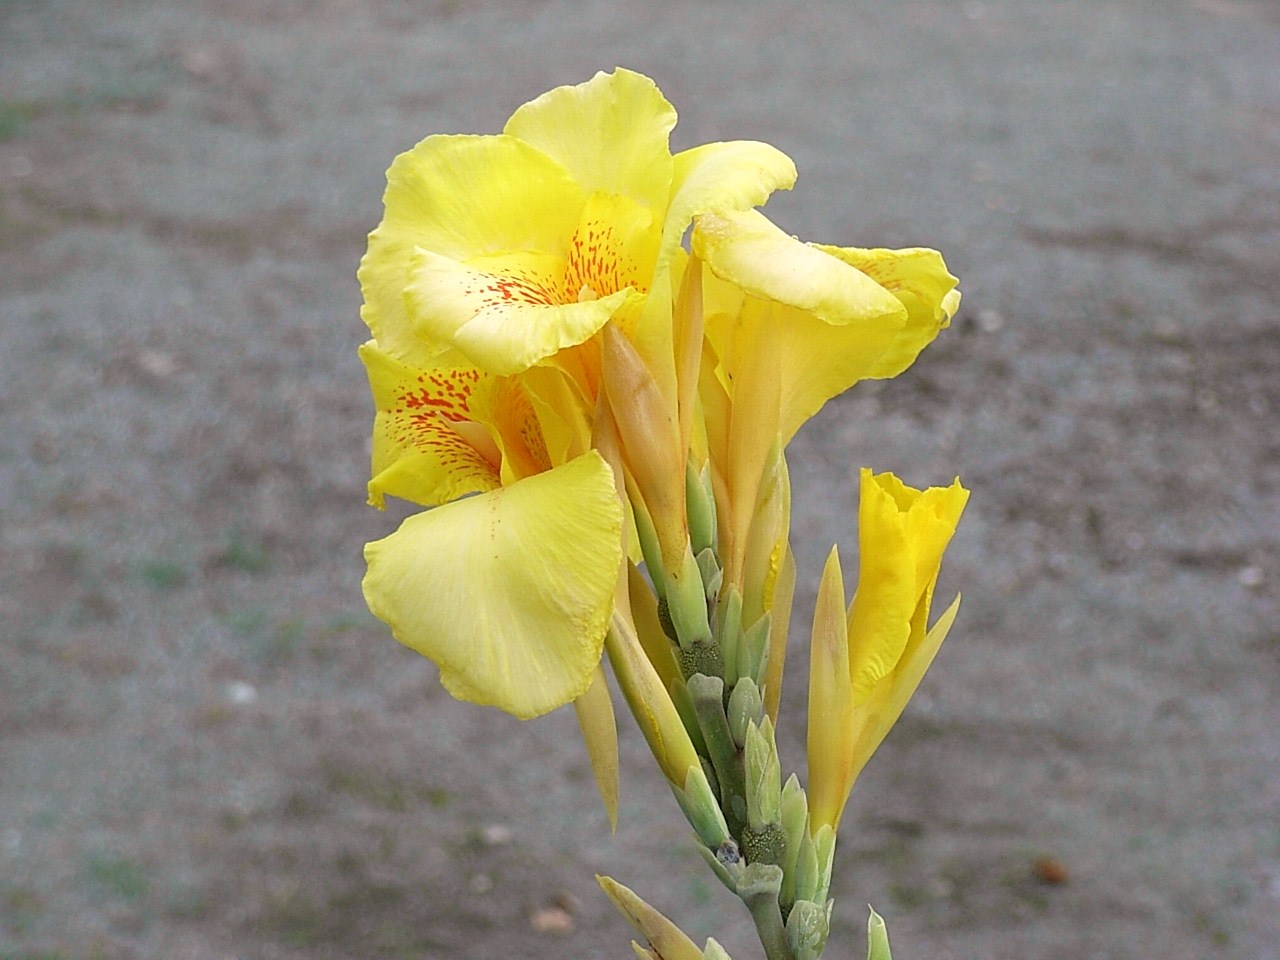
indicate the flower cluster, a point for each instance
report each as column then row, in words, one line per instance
column 597, row 416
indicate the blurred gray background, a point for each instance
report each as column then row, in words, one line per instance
column 209, row 750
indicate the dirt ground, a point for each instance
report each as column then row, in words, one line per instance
column 209, row 750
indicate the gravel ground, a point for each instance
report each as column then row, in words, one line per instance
column 209, row 750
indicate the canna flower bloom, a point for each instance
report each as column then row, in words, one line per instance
column 510, row 592
column 790, row 325
column 512, row 248
column 498, row 262
column 866, row 664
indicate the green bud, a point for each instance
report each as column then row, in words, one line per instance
column 712, row 575
column 702, row 809
column 877, row 938
column 729, row 629
column 763, row 776
column 701, row 507
column 807, row 928
column 687, row 603
column 714, row 951
column 745, row 708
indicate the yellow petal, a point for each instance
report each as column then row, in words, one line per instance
column 600, row 736
column 610, row 133
column 830, row 749
column 787, row 319
column 720, row 177
column 509, row 592
column 460, row 197
column 744, row 248
column 874, row 718
column 419, row 453
column 503, row 313
column 880, row 615
column 920, row 281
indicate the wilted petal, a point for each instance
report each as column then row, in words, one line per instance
column 509, row 592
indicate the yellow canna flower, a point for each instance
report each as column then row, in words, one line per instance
column 792, row 325
column 864, row 670
column 448, row 430
column 511, row 248
column 510, row 592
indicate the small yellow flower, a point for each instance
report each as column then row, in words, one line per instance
column 865, row 667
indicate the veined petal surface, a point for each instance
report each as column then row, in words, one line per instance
column 611, row 133
column 460, row 197
column 510, row 592
column 919, row 278
column 421, row 450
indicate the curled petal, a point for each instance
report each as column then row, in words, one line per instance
column 919, row 279
column 509, row 592
column 720, row 177
column 747, row 250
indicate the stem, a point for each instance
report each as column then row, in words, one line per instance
column 759, row 891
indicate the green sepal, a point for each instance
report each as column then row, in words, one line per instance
column 714, row 951
column 806, row 870
column 824, row 848
column 808, row 926
column 712, row 574
column 877, row 938
column 702, row 809
column 745, row 708
column 701, row 508
column 649, row 547
column 763, row 776
column 687, row 604
column 795, row 821
column 729, row 630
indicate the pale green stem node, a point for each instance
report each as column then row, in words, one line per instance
column 759, row 888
